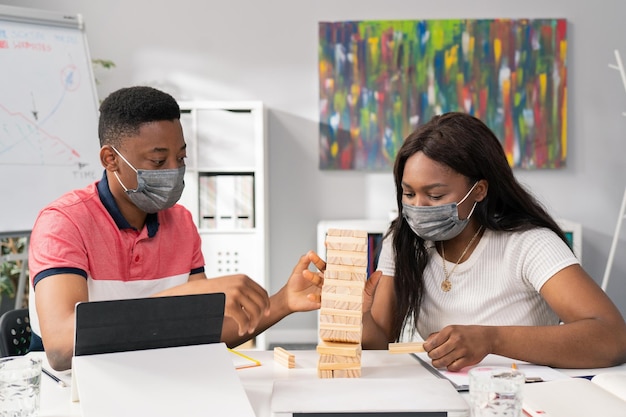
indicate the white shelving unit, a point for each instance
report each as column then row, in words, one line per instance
column 225, row 186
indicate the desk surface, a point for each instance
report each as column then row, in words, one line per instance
column 258, row 381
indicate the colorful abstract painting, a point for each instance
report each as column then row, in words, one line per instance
column 379, row 80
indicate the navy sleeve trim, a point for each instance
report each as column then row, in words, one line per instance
column 197, row 271
column 56, row 271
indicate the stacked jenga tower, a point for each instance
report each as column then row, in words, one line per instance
column 341, row 322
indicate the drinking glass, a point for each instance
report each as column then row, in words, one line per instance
column 20, row 380
column 496, row 391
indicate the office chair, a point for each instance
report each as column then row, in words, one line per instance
column 14, row 333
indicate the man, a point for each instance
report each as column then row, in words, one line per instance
column 125, row 237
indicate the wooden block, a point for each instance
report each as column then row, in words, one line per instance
column 346, row 269
column 335, row 273
column 341, row 320
column 339, row 360
column 340, row 286
column 337, row 335
column 342, row 301
column 346, row 233
column 334, row 362
column 339, row 373
column 341, row 304
column 347, row 373
column 324, row 373
column 340, row 349
column 284, row 357
column 410, row 347
column 346, row 243
column 336, row 366
column 356, row 328
column 340, row 312
column 332, row 282
column 354, row 320
column 347, row 298
column 342, row 290
column 342, row 257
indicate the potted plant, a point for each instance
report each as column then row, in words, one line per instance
column 10, row 271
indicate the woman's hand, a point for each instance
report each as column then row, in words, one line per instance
column 455, row 347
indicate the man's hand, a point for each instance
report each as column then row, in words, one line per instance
column 246, row 301
column 303, row 288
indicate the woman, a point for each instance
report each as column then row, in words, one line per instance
column 477, row 266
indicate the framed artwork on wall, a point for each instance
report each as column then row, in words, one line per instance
column 379, row 80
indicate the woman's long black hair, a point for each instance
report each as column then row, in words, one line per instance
column 469, row 147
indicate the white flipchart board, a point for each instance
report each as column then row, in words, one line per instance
column 48, row 112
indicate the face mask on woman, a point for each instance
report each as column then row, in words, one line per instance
column 437, row 223
column 157, row 189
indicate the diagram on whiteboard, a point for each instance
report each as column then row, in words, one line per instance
column 45, row 114
column 48, row 112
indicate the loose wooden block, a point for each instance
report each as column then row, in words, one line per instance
column 410, row 347
column 284, row 357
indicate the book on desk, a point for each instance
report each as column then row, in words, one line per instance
column 604, row 395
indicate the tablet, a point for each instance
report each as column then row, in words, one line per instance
column 148, row 323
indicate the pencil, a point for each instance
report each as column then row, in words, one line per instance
column 54, row 377
column 253, row 362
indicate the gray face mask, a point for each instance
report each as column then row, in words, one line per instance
column 437, row 223
column 157, row 189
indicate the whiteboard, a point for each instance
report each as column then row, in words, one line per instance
column 48, row 113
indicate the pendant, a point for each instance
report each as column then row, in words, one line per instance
column 446, row 285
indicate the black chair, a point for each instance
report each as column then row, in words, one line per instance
column 15, row 332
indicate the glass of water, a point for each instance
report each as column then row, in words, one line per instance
column 496, row 391
column 20, row 381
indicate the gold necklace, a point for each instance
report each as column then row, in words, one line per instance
column 446, row 285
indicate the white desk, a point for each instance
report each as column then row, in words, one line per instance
column 258, row 381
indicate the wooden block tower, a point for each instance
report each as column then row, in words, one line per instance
column 341, row 324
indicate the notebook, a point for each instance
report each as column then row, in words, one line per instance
column 573, row 397
column 148, row 323
column 460, row 379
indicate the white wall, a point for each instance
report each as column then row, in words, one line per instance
column 267, row 50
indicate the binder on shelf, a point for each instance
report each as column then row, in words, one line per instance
column 244, row 201
column 208, row 204
column 226, row 201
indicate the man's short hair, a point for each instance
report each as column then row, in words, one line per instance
column 124, row 111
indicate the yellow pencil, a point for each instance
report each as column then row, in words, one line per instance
column 253, row 362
